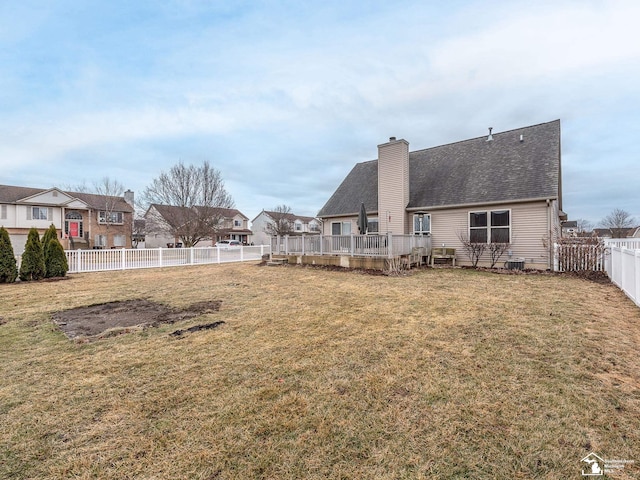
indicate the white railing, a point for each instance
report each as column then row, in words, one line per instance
column 125, row 259
column 630, row 243
column 386, row 245
column 623, row 268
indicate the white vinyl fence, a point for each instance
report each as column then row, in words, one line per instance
column 126, row 259
column 623, row 266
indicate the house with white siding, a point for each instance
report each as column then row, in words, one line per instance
column 499, row 188
column 263, row 225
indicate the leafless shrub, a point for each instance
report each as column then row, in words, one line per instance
column 395, row 266
column 474, row 250
column 496, row 250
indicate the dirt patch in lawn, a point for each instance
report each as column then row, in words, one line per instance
column 113, row 318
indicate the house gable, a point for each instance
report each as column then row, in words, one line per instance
column 53, row 197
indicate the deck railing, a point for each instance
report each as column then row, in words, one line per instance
column 386, row 245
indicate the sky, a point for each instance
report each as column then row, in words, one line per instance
column 285, row 97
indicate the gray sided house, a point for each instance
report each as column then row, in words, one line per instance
column 504, row 187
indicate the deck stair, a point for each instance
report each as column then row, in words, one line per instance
column 276, row 261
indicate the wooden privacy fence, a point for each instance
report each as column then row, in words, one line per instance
column 125, row 259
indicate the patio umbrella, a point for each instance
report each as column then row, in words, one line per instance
column 363, row 223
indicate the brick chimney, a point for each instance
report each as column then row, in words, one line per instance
column 393, row 186
column 128, row 197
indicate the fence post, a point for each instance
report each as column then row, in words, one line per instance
column 160, row 256
column 303, row 240
column 556, row 263
column 390, row 244
column 636, row 272
column 79, row 261
column 123, row 259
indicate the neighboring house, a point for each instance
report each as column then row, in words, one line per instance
column 138, row 234
column 633, row 232
column 570, row 228
column 602, row 232
column 83, row 220
column 504, row 187
column 299, row 225
column 230, row 224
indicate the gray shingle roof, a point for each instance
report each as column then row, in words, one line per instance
column 13, row 194
column 292, row 217
column 464, row 173
column 173, row 212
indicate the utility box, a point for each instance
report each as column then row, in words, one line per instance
column 517, row 264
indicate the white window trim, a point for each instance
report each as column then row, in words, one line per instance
column 374, row 220
column 48, row 210
column 489, row 226
column 342, row 224
column 421, row 232
column 102, row 218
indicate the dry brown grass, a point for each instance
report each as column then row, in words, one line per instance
column 322, row 374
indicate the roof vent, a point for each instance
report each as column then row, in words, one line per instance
column 392, row 139
column 490, row 137
column 522, row 137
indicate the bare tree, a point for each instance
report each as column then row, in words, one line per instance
column 188, row 203
column 584, row 227
column 474, row 250
column 282, row 223
column 618, row 221
column 109, row 194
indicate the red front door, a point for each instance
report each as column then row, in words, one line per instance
column 73, row 229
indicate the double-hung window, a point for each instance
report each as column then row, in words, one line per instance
column 492, row 226
column 421, row 224
column 340, row 228
column 110, row 217
column 39, row 213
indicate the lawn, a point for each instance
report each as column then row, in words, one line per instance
column 444, row 373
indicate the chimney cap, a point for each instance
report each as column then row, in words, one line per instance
column 392, row 139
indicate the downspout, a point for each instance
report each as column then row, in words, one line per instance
column 550, row 246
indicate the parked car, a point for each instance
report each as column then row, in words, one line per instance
column 228, row 244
